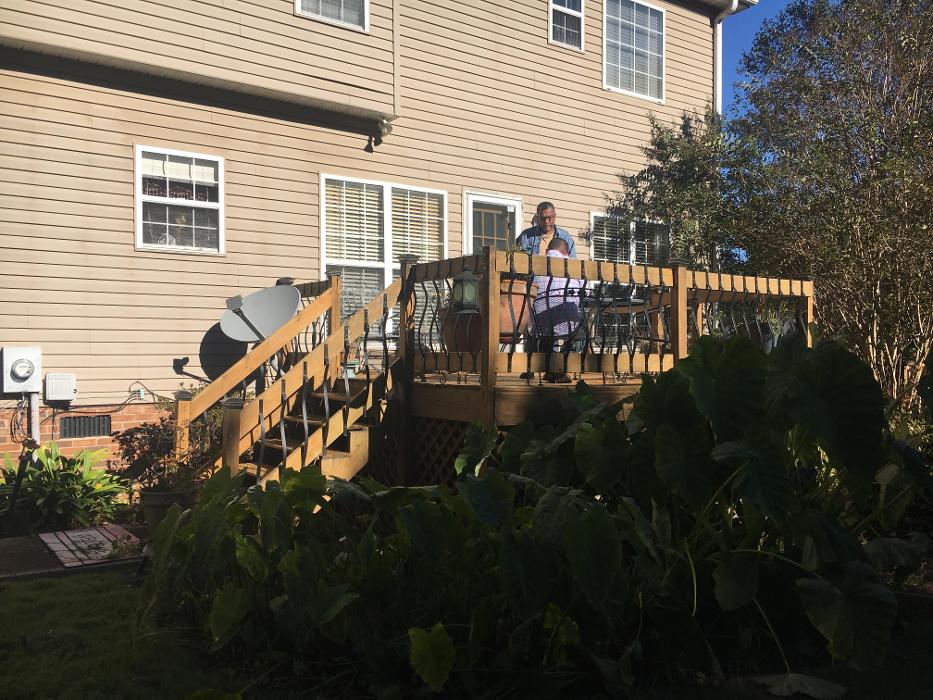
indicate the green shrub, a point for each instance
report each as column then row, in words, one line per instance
column 59, row 492
column 729, row 521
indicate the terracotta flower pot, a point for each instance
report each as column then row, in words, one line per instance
column 156, row 504
column 514, row 302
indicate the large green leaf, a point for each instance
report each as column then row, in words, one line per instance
column 525, row 568
column 491, row 497
column 478, row 444
column 432, row 655
column 433, row 529
column 761, row 479
column 550, row 515
column 593, row 547
column 833, row 395
column 227, row 611
column 823, row 541
column 681, row 471
column 600, row 450
column 665, row 400
column 330, row 601
column 888, row 553
column 855, row 615
column 788, row 685
column 736, row 578
column 250, row 557
column 727, row 380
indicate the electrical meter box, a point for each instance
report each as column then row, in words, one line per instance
column 22, row 370
column 60, row 386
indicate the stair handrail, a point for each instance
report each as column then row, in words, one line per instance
column 187, row 410
column 313, row 364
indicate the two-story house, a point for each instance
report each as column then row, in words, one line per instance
column 158, row 157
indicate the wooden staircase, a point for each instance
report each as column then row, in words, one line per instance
column 313, row 407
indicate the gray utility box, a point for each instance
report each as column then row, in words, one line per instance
column 60, row 386
column 22, row 370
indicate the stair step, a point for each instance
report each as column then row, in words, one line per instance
column 294, row 444
column 339, row 396
column 313, row 421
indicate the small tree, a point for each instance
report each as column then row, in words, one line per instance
column 684, row 185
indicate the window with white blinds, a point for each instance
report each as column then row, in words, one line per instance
column 366, row 225
column 179, row 201
column 633, row 48
column 633, row 242
column 351, row 13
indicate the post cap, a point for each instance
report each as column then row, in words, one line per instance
column 407, row 259
column 183, row 395
column 233, row 402
column 284, row 281
column 680, row 260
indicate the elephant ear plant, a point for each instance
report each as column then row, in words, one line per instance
column 726, row 524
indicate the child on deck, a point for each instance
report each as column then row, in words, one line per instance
column 557, row 306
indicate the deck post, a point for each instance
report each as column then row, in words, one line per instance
column 679, row 309
column 489, row 307
column 182, row 421
column 406, row 341
column 335, row 289
column 808, row 318
column 230, row 444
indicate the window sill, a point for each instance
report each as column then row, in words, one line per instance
column 629, row 93
column 569, row 47
column 333, row 22
column 180, row 251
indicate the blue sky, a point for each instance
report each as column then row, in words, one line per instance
column 738, row 33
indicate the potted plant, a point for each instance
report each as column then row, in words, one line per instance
column 164, row 478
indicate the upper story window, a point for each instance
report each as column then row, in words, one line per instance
column 347, row 13
column 366, row 225
column 179, row 201
column 566, row 23
column 631, row 242
column 634, row 51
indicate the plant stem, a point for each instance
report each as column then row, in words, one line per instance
column 773, row 634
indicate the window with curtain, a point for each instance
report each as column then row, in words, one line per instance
column 349, row 12
column 179, row 201
column 567, row 23
column 368, row 225
column 633, row 242
column 634, row 45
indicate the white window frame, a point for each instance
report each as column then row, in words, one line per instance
column 567, row 11
column 632, row 93
column 219, row 206
column 631, row 236
column 388, row 266
column 506, row 200
column 336, row 23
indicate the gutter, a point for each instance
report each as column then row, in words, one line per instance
column 717, row 53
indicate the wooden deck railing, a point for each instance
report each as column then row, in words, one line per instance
column 631, row 318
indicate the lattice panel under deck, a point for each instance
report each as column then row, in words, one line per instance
column 436, row 443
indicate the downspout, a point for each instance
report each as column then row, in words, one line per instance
column 717, row 53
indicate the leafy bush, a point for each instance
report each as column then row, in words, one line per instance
column 59, row 492
column 148, row 451
column 738, row 501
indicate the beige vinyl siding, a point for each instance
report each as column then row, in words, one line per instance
column 261, row 44
column 472, row 120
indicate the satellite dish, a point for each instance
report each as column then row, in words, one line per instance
column 259, row 315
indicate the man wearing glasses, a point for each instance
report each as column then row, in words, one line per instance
column 536, row 239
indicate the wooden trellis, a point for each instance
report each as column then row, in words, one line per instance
column 436, row 444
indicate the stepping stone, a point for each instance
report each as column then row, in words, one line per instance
column 95, row 545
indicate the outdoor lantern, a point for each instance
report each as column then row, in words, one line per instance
column 465, row 295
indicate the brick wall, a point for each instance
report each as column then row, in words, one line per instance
column 120, row 419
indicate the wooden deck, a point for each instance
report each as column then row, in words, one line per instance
column 441, row 396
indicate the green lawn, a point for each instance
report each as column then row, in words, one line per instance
column 73, row 637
